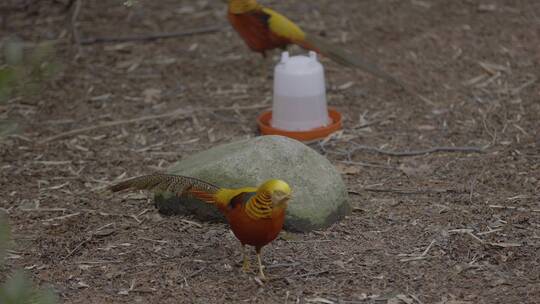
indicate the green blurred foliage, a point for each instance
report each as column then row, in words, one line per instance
column 23, row 70
column 18, row 289
column 7, row 79
column 4, row 239
column 130, row 3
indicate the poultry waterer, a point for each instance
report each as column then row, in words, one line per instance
column 299, row 108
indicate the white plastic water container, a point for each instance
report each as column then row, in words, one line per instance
column 299, row 94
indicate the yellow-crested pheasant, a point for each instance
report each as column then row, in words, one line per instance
column 265, row 29
column 255, row 215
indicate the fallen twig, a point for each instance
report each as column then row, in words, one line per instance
column 43, row 209
column 468, row 232
column 531, row 81
column 309, row 241
column 413, row 191
column 521, row 209
column 419, row 152
column 413, row 257
column 473, row 183
column 71, row 252
column 282, row 265
column 100, row 262
column 179, row 112
column 369, row 165
column 155, row 36
column 155, row 241
column 369, row 124
column 196, row 272
column 309, row 274
column 505, row 244
column 191, row 223
column 494, row 244
column 320, row 300
column 73, row 24
column 63, row 217
column 489, row 232
column 416, row 299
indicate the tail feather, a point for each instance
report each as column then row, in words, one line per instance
column 179, row 185
column 340, row 56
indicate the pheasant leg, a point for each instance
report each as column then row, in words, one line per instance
column 245, row 264
column 261, row 273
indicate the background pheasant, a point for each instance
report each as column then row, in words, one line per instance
column 265, row 29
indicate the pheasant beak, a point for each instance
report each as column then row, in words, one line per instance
column 280, row 198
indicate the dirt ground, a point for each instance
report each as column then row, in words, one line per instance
column 441, row 227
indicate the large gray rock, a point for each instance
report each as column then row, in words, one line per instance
column 319, row 194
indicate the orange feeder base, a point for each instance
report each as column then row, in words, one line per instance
column 319, row 133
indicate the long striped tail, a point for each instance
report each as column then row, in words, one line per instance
column 181, row 186
column 340, row 56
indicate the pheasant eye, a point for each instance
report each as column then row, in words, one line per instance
column 279, row 193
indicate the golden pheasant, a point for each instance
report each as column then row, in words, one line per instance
column 255, row 215
column 265, row 29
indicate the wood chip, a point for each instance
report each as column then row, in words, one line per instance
column 493, row 68
column 320, row 300
column 505, row 245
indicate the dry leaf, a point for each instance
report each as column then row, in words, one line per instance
column 347, row 169
column 151, row 95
